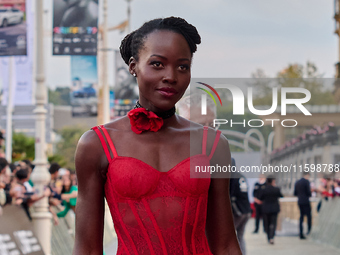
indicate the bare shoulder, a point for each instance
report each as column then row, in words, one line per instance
column 90, row 156
column 119, row 124
column 118, row 127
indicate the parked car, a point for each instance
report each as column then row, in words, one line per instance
column 10, row 17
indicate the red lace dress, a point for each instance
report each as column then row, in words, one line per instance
column 157, row 212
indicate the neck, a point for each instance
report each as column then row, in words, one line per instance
column 170, row 121
column 162, row 114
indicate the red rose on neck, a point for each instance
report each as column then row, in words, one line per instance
column 143, row 120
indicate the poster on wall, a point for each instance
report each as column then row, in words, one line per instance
column 13, row 29
column 126, row 89
column 75, row 27
column 20, row 69
column 84, row 88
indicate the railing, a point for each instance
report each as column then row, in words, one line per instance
column 290, row 212
column 63, row 234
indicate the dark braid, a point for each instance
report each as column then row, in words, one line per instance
column 134, row 41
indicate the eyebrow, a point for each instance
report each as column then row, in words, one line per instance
column 160, row 56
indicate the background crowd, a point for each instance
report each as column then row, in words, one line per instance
column 17, row 188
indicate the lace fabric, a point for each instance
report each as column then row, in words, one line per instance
column 157, row 212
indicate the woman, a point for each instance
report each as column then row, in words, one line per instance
column 141, row 162
column 69, row 196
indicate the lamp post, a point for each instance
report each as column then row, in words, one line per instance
column 9, row 131
column 129, row 15
column 40, row 176
column 337, row 65
column 105, row 84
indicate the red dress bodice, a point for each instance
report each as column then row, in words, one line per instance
column 158, row 212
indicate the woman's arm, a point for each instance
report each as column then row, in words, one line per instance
column 220, row 229
column 68, row 196
column 63, row 213
column 54, row 216
column 90, row 161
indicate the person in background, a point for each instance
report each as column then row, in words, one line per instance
column 240, row 204
column 258, row 207
column 326, row 189
column 30, row 167
column 55, row 184
column 64, row 173
column 2, row 139
column 74, row 178
column 269, row 198
column 337, row 187
column 3, row 167
column 3, row 183
column 303, row 191
column 69, row 196
column 21, row 195
column 29, row 185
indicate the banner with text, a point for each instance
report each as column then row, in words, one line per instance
column 84, row 90
column 75, row 27
column 21, row 71
column 126, row 89
column 13, row 29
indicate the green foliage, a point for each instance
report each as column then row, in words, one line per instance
column 67, row 146
column 56, row 158
column 294, row 75
column 23, row 147
column 60, row 96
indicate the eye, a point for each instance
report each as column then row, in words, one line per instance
column 184, row 67
column 157, row 64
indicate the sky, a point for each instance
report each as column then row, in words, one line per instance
column 238, row 37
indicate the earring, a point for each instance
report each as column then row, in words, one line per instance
column 134, row 75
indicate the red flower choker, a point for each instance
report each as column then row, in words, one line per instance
column 142, row 119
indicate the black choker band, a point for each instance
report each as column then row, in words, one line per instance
column 163, row 115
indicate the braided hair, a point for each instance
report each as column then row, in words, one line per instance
column 134, row 41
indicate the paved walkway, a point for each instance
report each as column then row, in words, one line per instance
column 287, row 243
column 284, row 244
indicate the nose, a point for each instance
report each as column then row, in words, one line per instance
column 170, row 76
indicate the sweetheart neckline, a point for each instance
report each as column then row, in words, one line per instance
column 154, row 169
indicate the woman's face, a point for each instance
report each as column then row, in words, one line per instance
column 66, row 181
column 163, row 70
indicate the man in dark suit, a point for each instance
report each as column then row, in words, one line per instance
column 240, row 204
column 258, row 207
column 269, row 197
column 303, row 192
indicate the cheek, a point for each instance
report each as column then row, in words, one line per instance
column 147, row 79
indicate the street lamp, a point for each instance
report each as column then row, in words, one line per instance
column 105, row 84
column 337, row 65
column 40, row 176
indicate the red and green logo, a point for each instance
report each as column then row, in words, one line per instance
column 209, row 93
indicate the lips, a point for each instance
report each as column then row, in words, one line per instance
column 166, row 91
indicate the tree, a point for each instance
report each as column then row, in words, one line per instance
column 262, row 88
column 294, row 75
column 60, row 96
column 67, row 146
column 23, row 147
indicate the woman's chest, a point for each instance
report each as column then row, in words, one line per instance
column 132, row 178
